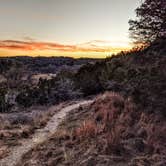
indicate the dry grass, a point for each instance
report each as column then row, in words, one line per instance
column 86, row 130
column 123, row 128
column 112, row 131
column 156, row 138
column 107, row 108
column 18, row 126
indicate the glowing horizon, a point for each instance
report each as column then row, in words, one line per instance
column 65, row 28
column 96, row 49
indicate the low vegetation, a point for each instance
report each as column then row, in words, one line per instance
column 112, row 131
column 138, row 73
column 17, row 87
column 16, row 127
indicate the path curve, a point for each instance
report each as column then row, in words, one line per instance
column 41, row 135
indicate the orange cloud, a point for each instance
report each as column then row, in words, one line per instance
column 96, row 46
column 28, row 46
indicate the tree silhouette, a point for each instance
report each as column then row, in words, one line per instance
column 150, row 22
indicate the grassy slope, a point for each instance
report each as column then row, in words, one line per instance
column 125, row 128
column 109, row 132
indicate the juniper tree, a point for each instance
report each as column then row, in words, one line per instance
column 150, row 22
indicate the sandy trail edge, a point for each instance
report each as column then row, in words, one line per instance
column 40, row 136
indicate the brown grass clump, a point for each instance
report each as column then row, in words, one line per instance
column 63, row 135
column 108, row 107
column 113, row 142
column 86, row 130
column 105, row 123
column 156, row 138
column 112, row 111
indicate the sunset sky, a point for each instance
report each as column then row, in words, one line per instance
column 78, row 28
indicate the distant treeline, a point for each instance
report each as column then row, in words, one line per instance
column 43, row 64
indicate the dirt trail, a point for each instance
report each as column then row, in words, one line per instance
column 41, row 135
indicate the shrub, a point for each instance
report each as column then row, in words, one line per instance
column 86, row 130
column 4, row 106
column 108, row 107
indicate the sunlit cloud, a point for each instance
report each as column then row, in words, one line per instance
column 32, row 47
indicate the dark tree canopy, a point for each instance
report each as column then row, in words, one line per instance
column 150, row 23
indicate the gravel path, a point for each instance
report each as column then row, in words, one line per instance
column 40, row 135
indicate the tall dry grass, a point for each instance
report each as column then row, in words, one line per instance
column 120, row 126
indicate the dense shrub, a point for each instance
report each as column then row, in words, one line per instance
column 138, row 73
column 4, row 106
column 87, row 79
column 51, row 91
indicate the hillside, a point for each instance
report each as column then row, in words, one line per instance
column 140, row 74
column 123, row 126
column 112, row 131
